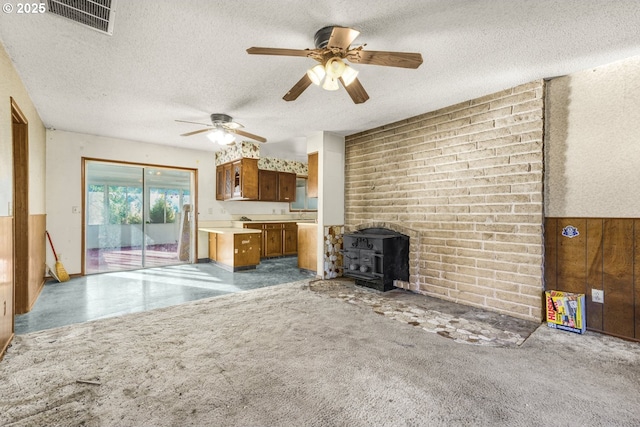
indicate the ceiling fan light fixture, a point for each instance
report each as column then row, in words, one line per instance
column 330, row 84
column 335, row 67
column 219, row 136
column 349, row 75
column 316, row 74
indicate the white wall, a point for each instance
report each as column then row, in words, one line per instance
column 331, row 161
column 11, row 86
column 330, row 149
column 65, row 151
column 592, row 147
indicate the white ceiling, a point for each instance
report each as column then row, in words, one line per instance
column 185, row 59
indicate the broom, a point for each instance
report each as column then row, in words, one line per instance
column 60, row 273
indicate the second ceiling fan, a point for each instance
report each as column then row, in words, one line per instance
column 221, row 129
column 333, row 46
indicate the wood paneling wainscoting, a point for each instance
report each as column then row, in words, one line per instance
column 6, row 282
column 604, row 254
column 37, row 257
column 31, row 268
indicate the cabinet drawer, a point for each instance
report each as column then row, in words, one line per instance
column 273, row 226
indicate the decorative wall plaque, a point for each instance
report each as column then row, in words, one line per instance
column 570, row 231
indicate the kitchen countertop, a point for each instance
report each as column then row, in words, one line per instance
column 273, row 221
column 229, row 230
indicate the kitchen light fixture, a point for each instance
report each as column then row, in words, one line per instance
column 327, row 76
column 221, row 137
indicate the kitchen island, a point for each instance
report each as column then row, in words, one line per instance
column 234, row 248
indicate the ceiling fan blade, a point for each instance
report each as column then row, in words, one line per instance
column 297, row 89
column 277, row 51
column 389, row 59
column 250, row 135
column 197, row 131
column 356, row 91
column 232, row 125
column 193, row 123
column 342, row 37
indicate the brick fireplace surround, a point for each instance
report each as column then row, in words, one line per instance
column 465, row 183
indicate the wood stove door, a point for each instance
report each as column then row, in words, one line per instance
column 368, row 261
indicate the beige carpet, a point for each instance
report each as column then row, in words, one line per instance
column 290, row 356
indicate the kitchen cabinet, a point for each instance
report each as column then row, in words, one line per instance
column 237, row 180
column 289, row 238
column 307, row 246
column 268, row 185
column 286, row 187
column 312, row 179
column 235, row 251
column 278, row 238
column 242, row 180
column 272, row 240
column 220, row 181
column 213, row 246
column 277, row 186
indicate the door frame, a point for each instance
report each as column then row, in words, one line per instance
column 194, row 258
column 20, row 209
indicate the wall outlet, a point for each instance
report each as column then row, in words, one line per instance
column 597, row 295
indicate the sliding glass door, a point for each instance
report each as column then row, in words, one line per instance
column 137, row 216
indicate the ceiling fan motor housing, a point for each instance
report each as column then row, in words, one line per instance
column 220, row 118
column 321, row 39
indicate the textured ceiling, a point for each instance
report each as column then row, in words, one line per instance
column 185, row 59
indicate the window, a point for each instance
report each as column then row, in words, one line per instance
column 123, row 204
column 303, row 203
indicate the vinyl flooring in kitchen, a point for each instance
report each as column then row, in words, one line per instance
column 112, row 294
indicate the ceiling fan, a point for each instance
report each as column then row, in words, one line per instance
column 333, row 46
column 221, row 130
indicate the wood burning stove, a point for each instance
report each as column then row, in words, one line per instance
column 375, row 257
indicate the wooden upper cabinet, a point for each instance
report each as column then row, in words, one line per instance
column 249, row 180
column 242, row 180
column 268, row 185
column 286, row 187
column 237, row 180
column 312, row 180
column 220, row 182
column 228, row 181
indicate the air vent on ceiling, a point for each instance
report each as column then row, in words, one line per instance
column 96, row 14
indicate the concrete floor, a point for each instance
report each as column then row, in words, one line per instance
column 104, row 295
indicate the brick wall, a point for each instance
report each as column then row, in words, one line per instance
column 465, row 183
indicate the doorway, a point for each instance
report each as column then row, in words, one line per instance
column 137, row 216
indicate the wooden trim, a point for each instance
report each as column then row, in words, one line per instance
column 83, row 215
column 20, row 140
column 17, row 116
